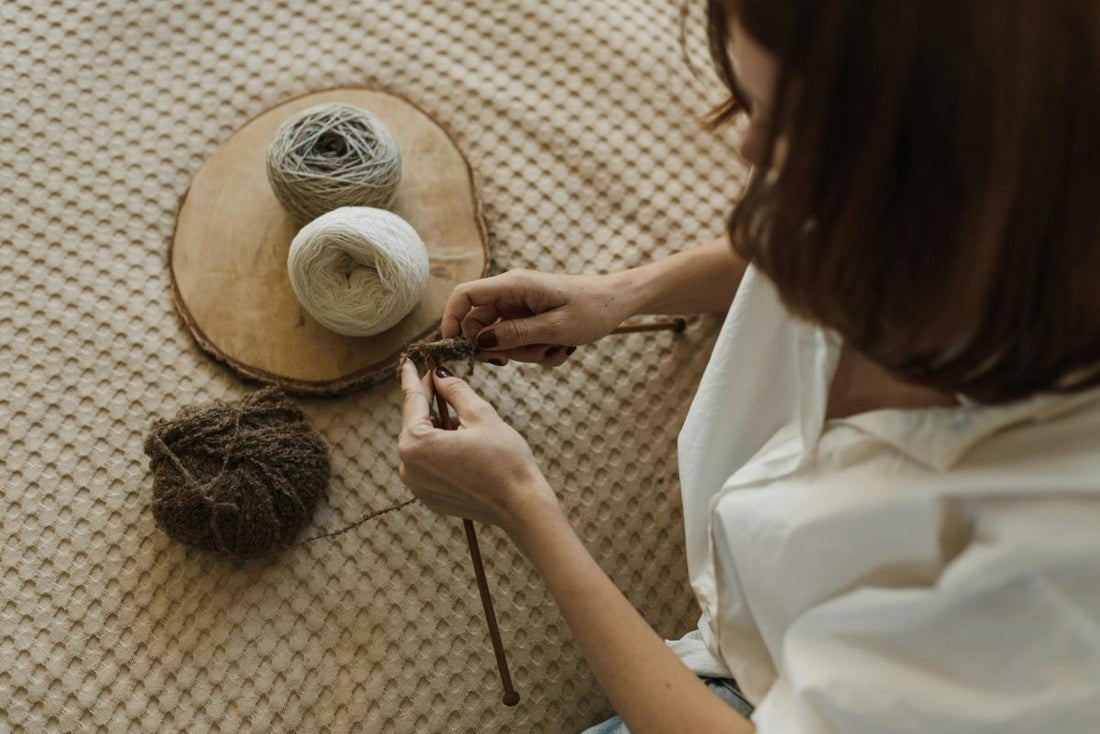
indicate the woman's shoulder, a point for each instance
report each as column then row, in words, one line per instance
column 1045, row 443
column 921, row 479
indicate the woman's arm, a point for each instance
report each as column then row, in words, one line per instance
column 700, row 280
column 529, row 316
column 646, row 683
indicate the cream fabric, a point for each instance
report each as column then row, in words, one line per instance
column 931, row 570
column 578, row 120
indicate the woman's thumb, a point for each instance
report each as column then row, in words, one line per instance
column 513, row 333
column 457, row 392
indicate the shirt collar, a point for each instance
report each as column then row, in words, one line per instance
column 939, row 437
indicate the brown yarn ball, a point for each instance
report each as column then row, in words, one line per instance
column 241, row 478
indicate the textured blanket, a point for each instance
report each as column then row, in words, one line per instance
column 580, row 122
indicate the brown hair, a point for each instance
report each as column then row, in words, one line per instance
column 938, row 203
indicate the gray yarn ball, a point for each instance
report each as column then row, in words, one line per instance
column 329, row 156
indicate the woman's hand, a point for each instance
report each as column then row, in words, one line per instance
column 483, row 470
column 536, row 317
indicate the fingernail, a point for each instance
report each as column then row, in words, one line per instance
column 443, row 372
column 486, row 340
column 552, row 351
column 497, row 362
column 570, row 350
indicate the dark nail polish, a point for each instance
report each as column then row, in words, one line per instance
column 552, row 351
column 497, row 362
column 486, row 340
column 443, row 372
column 570, row 350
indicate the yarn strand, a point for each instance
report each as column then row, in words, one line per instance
column 357, row 523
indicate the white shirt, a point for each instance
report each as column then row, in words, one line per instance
column 930, row 570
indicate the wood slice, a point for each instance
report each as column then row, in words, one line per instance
column 229, row 250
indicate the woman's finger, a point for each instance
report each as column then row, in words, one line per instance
column 477, row 318
column 429, row 389
column 416, row 413
column 503, row 291
column 532, row 353
column 497, row 359
column 458, row 393
column 555, row 356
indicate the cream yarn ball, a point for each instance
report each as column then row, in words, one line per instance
column 358, row 270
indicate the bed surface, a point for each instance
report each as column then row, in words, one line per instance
column 579, row 121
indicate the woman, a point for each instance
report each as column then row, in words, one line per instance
column 891, row 468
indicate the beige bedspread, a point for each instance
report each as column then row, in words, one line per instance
column 579, row 121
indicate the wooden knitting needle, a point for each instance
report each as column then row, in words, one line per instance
column 510, row 697
column 677, row 324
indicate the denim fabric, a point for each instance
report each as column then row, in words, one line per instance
column 725, row 688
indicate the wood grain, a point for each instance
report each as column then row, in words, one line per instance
column 228, row 253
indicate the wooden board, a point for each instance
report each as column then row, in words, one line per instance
column 228, row 253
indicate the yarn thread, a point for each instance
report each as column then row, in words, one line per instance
column 241, row 478
column 433, row 352
column 358, row 270
column 329, row 156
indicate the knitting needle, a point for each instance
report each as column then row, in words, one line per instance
column 510, row 697
column 677, row 324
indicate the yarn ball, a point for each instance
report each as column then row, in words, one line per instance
column 241, row 478
column 358, row 270
column 330, row 156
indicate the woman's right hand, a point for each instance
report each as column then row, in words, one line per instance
column 535, row 317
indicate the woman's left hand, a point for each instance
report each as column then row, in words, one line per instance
column 483, row 470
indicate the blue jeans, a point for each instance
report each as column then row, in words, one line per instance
column 726, row 688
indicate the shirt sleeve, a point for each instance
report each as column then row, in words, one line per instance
column 1006, row 640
